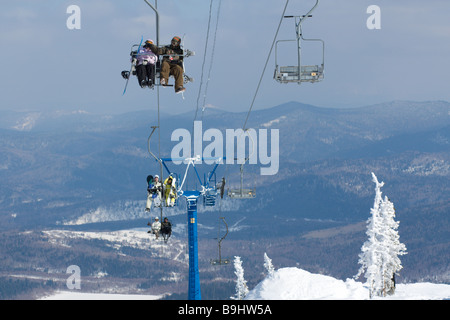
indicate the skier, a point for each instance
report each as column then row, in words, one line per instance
column 145, row 65
column 154, row 189
column 170, row 191
column 166, row 229
column 172, row 63
column 156, row 227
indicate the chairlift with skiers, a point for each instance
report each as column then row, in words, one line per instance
column 141, row 57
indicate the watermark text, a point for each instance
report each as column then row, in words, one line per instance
column 74, row 281
column 374, row 21
column 249, row 146
column 74, row 20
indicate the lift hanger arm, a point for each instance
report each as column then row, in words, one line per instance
column 309, row 15
column 157, row 20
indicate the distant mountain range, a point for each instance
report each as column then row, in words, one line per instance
column 77, row 160
column 73, row 168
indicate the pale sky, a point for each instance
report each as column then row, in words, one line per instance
column 45, row 66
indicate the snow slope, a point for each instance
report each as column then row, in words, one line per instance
column 134, row 238
column 298, row 284
column 70, row 295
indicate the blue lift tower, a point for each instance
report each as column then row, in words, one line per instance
column 208, row 192
column 194, row 276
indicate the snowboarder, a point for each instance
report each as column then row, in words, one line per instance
column 172, row 63
column 166, row 229
column 170, row 191
column 154, row 189
column 145, row 65
column 155, row 227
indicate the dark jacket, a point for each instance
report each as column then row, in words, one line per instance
column 170, row 54
column 166, row 227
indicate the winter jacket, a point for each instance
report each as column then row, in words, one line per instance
column 166, row 227
column 170, row 189
column 156, row 226
column 177, row 52
column 155, row 188
column 145, row 54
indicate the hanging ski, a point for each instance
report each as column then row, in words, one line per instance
column 127, row 74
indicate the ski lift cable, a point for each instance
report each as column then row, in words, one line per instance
column 256, row 93
column 212, row 58
column 204, row 58
column 265, row 66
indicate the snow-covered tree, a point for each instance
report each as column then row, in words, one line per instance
column 379, row 257
column 394, row 248
column 370, row 258
column 268, row 265
column 241, row 283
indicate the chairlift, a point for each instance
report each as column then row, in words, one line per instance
column 221, row 187
column 300, row 73
column 210, row 195
column 163, row 201
column 163, row 166
column 134, row 53
column 241, row 193
column 220, row 261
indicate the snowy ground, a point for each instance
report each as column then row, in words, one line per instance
column 284, row 284
column 70, row 295
column 298, row 284
column 135, row 238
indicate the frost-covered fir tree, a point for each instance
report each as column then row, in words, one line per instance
column 370, row 257
column 268, row 265
column 379, row 257
column 241, row 284
column 394, row 248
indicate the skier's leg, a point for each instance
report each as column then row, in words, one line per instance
column 150, row 73
column 167, row 199
column 177, row 72
column 149, row 202
column 140, row 71
column 165, row 72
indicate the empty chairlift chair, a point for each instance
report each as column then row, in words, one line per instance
column 241, row 193
column 300, row 73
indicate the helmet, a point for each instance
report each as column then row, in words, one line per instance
column 176, row 39
column 148, row 43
